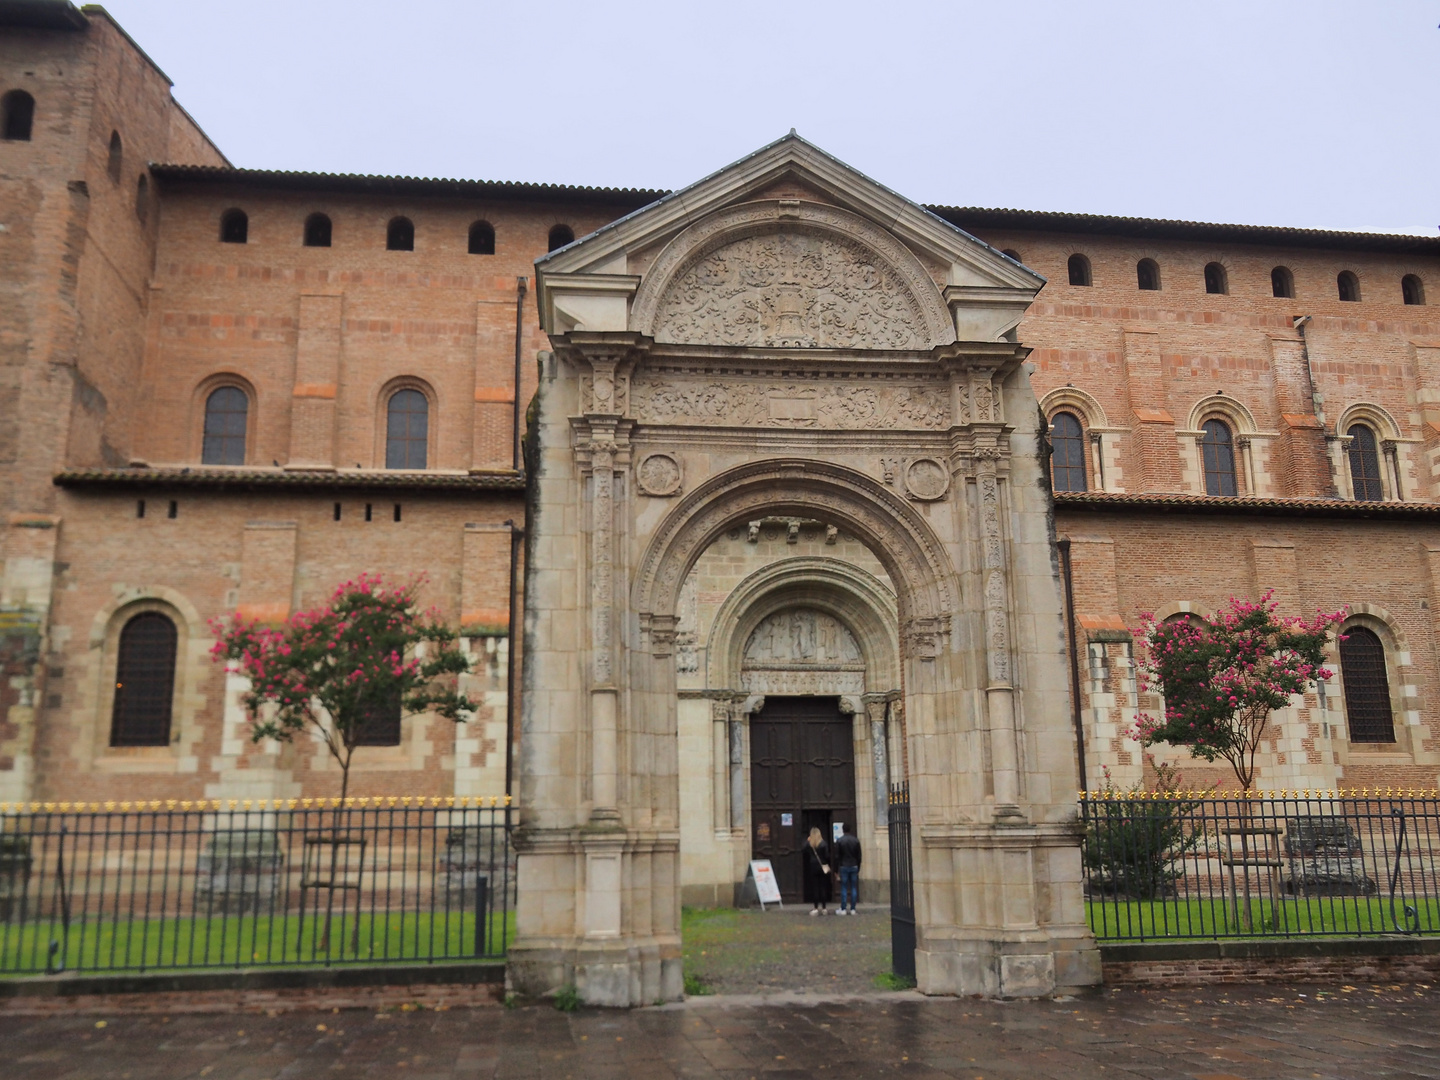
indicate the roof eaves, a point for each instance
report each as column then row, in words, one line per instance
column 1227, row 505
column 42, row 15
column 293, row 479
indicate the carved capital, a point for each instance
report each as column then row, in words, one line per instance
column 1390, row 446
column 1243, row 442
column 1097, row 437
column 661, row 631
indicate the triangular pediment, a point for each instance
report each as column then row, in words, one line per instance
column 787, row 247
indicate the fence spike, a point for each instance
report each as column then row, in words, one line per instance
column 4, row 807
column 507, row 800
column 34, row 807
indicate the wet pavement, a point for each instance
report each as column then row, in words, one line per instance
column 1205, row 1034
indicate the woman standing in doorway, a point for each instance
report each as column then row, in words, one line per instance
column 817, row 872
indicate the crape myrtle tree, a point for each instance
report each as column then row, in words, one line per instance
column 1223, row 677
column 327, row 670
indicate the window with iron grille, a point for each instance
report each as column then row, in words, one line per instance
column 1218, row 448
column 226, row 412
column 1367, row 687
column 144, row 682
column 1067, row 453
column 1364, row 464
column 380, row 724
column 407, row 430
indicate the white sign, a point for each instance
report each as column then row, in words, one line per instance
column 837, row 830
column 766, row 887
column 787, row 819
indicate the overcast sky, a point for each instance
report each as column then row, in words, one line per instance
column 1311, row 113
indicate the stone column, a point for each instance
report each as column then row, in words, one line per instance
column 720, row 761
column 876, row 708
column 999, row 690
column 752, row 704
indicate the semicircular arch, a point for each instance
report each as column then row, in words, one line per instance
column 1233, row 411
column 854, row 597
column 832, row 494
column 687, row 290
column 1073, row 399
column 1372, row 416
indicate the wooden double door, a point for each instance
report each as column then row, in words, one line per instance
column 802, row 776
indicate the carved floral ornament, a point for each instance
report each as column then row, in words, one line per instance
column 790, row 275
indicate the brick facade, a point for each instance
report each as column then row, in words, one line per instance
column 119, row 315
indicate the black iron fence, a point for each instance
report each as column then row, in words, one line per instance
column 902, row 884
column 165, row 885
column 1292, row 864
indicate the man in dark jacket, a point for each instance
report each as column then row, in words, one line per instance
column 847, row 853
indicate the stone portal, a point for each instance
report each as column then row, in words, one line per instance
column 787, row 346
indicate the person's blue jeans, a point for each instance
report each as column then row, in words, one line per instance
column 849, row 886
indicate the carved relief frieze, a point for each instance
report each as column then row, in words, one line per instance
column 790, row 405
column 801, row 636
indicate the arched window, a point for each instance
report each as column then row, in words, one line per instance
column 1216, row 280
column 1412, row 289
column 17, row 116
column 1282, row 283
column 561, row 235
column 407, row 430
column 142, row 197
column 226, row 412
column 400, row 235
column 1079, row 267
column 1367, row 687
column 482, row 238
column 234, row 227
column 1348, row 285
column 1364, row 464
column 317, row 231
column 144, row 682
column 1067, row 452
column 1218, row 449
column 115, row 162
column 1013, row 254
column 1147, row 275
column 379, row 724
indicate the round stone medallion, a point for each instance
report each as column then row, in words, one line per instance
column 659, row 474
column 926, row 479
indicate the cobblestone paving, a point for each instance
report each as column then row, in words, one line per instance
column 749, row 951
column 1237, row 1033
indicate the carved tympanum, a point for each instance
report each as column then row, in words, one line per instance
column 793, row 289
column 801, row 636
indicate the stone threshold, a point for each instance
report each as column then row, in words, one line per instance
column 1267, row 949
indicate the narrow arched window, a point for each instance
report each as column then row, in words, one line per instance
column 144, row 682
column 142, row 197
column 1079, row 267
column 407, row 430
column 1367, row 686
column 234, row 227
column 482, row 238
column 115, row 162
column 561, row 235
column 400, row 235
column 1067, row 452
column 379, row 723
column 1364, row 464
column 1412, row 289
column 1348, row 286
column 317, row 231
column 1147, row 275
column 1216, row 280
column 17, row 116
column 1012, row 253
column 1282, row 283
column 227, row 411
column 1218, row 449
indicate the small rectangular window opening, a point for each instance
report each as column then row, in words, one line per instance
column 397, row 511
column 369, row 512
column 140, row 508
column 337, row 511
column 174, row 509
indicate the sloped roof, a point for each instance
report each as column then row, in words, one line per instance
column 293, row 479
column 1180, row 503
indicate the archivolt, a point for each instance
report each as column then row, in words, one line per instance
column 889, row 526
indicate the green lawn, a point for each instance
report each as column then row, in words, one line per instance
column 1340, row 916
column 237, row 942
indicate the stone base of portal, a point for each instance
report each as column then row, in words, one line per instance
column 614, row 974
column 1009, row 969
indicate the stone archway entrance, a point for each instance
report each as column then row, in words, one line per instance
column 786, row 341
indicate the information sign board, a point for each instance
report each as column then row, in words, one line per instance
column 766, row 887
